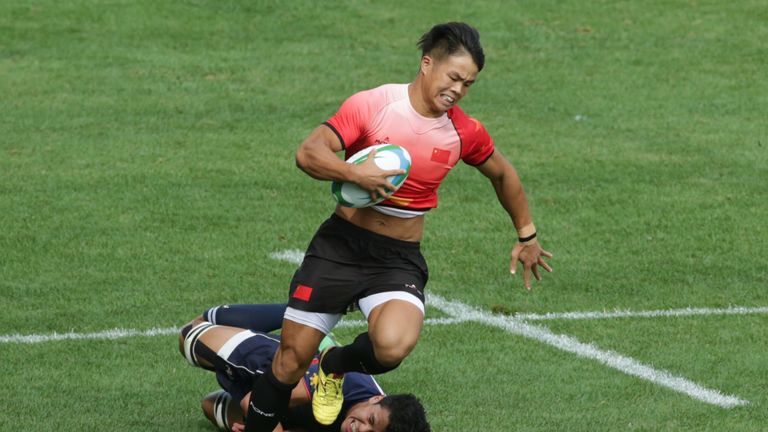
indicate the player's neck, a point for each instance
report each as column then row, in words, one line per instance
column 418, row 100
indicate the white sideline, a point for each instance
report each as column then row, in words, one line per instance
column 106, row 334
column 294, row 256
column 733, row 310
column 118, row 333
column 572, row 345
column 517, row 325
column 459, row 312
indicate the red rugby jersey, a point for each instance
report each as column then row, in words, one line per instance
column 385, row 115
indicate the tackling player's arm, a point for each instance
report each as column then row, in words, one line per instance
column 317, row 157
column 509, row 190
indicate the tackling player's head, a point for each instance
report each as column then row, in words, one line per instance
column 406, row 414
column 396, row 413
column 451, row 38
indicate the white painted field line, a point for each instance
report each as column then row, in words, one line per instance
column 106, row 334
column 572, row 345
column 517, row 325
column 459, row 312
column 119, row 333
column 293, row 256
column 733, row 310
column 428, row 321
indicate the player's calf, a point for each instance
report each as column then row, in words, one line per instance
column 221, row 410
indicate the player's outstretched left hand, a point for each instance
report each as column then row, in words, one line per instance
column 532, row 257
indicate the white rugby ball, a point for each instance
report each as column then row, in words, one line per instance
column 388, row 156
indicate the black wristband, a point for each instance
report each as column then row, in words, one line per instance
column 526, row 239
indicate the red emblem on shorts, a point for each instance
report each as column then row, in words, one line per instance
column 302, row 292
column 440, row 156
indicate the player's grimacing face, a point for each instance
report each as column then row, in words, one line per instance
column 448, row 80
column 366, row 416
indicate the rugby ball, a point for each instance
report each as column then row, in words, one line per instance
column 388, row 156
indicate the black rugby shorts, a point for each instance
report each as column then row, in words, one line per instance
column 345, row 263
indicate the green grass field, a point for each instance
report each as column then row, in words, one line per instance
column 147, row 173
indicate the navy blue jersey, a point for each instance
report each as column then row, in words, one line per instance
column 249, row 354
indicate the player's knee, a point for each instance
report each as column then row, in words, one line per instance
column 185, row 331
column 290, row 362
column 392, row 356
column 390, row 351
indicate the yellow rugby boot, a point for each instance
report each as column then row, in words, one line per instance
column 328, row 398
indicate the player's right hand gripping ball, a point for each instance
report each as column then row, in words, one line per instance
column 388, row 156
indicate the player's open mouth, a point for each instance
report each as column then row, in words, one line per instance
column 447, row 98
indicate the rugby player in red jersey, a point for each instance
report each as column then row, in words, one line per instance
column 369, row 258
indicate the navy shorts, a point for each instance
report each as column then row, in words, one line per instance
column 250, row 358
column 345, row 263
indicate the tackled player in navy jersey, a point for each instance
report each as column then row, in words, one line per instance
column 234, row 342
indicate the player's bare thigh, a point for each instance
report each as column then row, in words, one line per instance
column 394, row 328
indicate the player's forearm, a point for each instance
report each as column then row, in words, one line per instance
column 322, row 164
column 509, row 190
column 508, row 187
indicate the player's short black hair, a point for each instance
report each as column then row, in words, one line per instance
column 449, row 38
column 406, row 414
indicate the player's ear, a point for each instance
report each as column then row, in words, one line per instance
column 375, row 399
column 426, row 64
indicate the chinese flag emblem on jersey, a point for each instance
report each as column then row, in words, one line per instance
column 302, row 292
column 440, row 156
